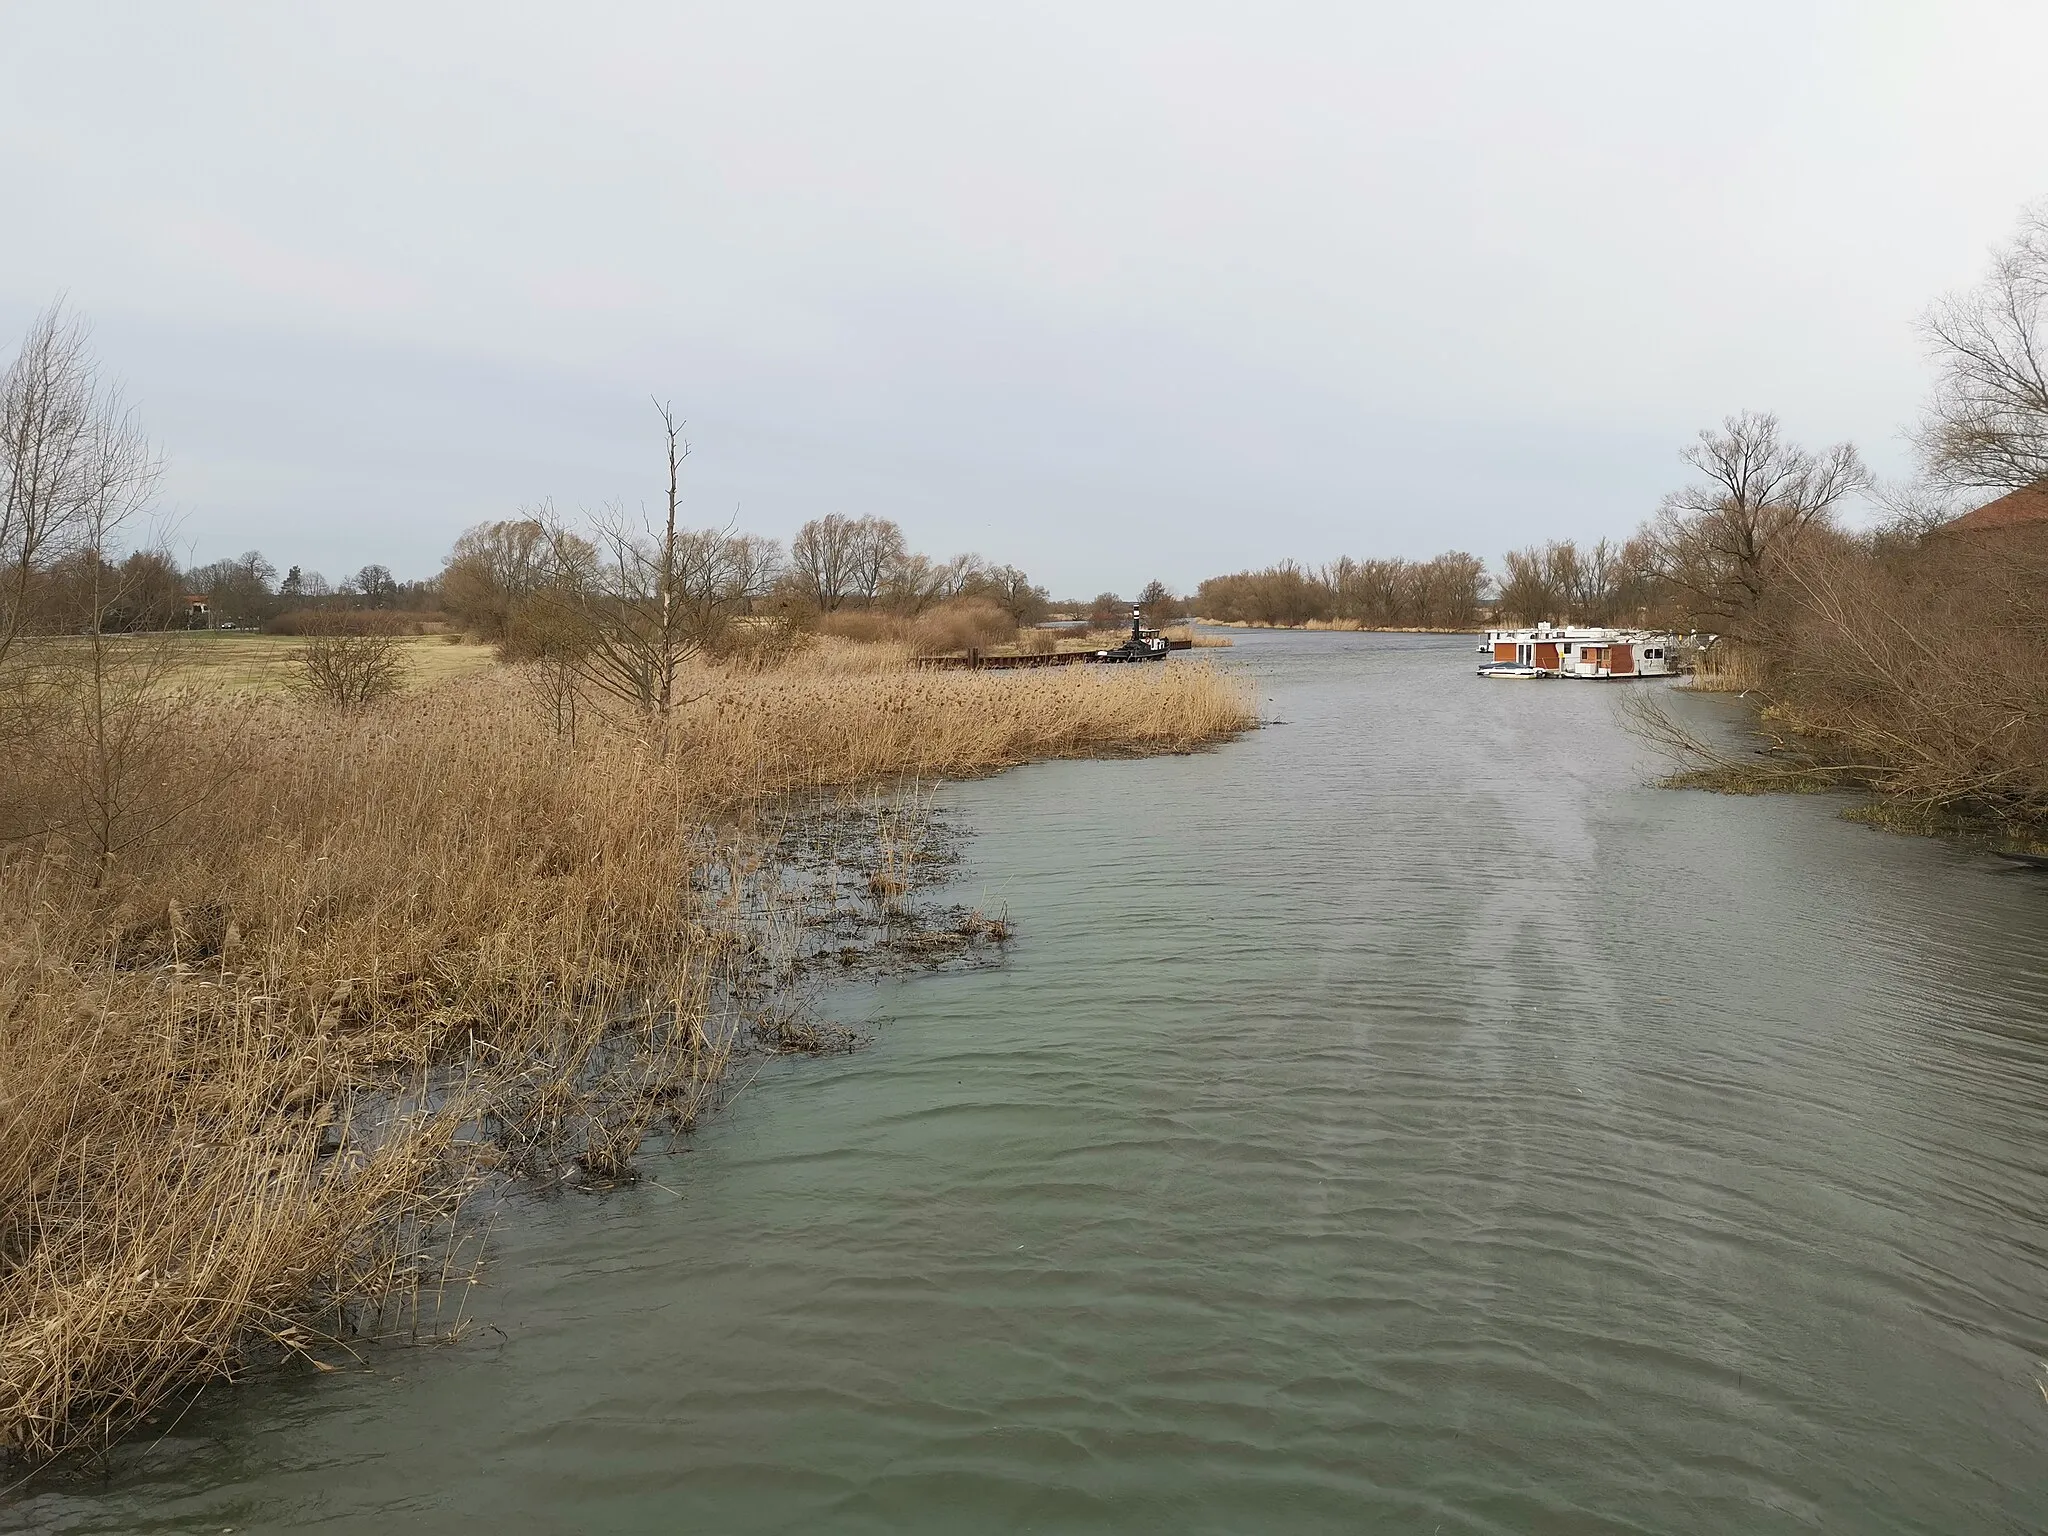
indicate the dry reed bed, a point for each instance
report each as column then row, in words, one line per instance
column 801, row 727
column 344, row 966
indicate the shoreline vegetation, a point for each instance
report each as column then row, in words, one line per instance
column 307, row 978
column 308, row 938
column 493, row 876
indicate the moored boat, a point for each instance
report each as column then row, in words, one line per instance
column 1587, row 651
column 1140, row 647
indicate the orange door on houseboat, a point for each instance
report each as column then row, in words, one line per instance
column 1624, row 661
column 1503, row 650
column 1593, row 656
column 1546, row 653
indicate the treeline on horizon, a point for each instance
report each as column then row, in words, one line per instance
column 1444, row 593
column 1561, row 581
column 147, row 589
column 835, row 565
column 1914, row 656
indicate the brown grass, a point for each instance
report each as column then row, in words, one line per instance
column 347, row 965
column 1730, row 667
column 949, row 628
column 813, row 725
column 265, row 664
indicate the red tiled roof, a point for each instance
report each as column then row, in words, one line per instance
column 2029, row 504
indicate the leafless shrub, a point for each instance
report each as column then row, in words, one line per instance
column 1916, row 671
column 349, row 671
column 1931, row 664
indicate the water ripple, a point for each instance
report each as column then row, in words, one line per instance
column 1406, row 1119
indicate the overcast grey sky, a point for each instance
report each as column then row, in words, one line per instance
column 1107, row 290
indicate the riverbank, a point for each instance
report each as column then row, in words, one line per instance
column 1913, row 670
column 280, row 985
column 1602, row 1230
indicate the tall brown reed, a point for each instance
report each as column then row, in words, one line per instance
column 352, row 962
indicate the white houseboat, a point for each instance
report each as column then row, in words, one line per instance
column 1585, row 651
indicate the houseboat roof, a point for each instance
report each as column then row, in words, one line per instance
column 1596, row 633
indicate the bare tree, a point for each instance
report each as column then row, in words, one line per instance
column 1444, row 591
column 1368, row 591
column 494, row 569
column 837, row 558
column 757, row 564
column 648, row 597
column 965, row 576
column 1987, row 424
column 1016, row 596
column 1718, row 543
column 1601, row 572
column 915, row 582
column 878, row 551
column 640, row 636
column 238, row 590
column 74, row 466
column 1561, row 581
column 822, row 558
column 150, row 593
column 1160, row 602
column 1528, row 589
column 376, row 585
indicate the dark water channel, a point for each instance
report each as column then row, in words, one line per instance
column 1404, row 1119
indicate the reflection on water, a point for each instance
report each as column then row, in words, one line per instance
column 1403, row 1119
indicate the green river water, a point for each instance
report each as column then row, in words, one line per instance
column 1403, row 1119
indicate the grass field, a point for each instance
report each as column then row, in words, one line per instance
column 259, row 664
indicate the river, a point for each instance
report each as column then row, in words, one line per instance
column 1405, row 1118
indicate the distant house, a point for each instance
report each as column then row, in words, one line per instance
column 197, row 615
column 2016, row 509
